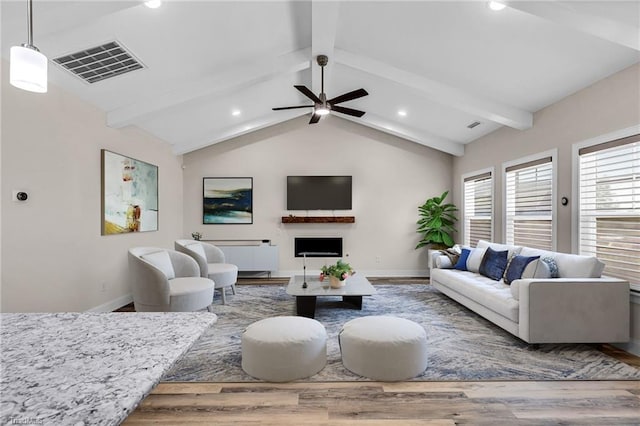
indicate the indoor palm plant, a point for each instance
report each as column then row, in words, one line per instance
column 436, row 222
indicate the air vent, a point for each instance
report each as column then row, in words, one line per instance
column 474, row 124
column 99, row 63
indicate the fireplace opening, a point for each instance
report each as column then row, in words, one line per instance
column 318, row 247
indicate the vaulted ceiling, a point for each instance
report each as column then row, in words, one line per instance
column 212, row 70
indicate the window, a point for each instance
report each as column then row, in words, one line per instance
column 478, row 208
column 529, row 204
column 609, row 206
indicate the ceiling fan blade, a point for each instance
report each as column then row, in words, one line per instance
column 314, row 118
column 348, row 111
column 348, row 96
column 293, row 107
column 309, row 94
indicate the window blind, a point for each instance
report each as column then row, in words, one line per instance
column 478, row 208
column 529, row 204
column 609, row 205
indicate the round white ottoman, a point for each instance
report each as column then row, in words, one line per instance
column 282, row 349
column 384, row 348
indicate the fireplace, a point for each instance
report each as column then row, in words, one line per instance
column 318, row 247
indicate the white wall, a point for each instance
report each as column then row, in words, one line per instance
column 53, row 256
column 391, row 178
column 606, row 106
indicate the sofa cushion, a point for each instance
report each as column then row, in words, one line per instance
column 494, row 295
column 513, row 250
column 516, row 267
column 553, row 266
column 162, row 261
column 462, row 260
column 443, row 262
column 570, row 265
column 494, row 263
column 536, row 269
column 475, row 259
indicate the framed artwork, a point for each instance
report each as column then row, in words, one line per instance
column 129, row 194
column 227, row 200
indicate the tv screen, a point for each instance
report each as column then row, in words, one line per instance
column 318, row 192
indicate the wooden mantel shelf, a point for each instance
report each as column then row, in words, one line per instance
column 318, row 219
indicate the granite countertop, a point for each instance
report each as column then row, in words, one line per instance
column 87, row 368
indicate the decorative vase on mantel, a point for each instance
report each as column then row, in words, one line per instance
column 335, row 282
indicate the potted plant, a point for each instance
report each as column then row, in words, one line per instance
column 337, row 273
column 436, row 223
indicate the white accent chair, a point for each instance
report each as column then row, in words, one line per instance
column 212, row 264
column 167, row 281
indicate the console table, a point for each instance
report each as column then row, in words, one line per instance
column 250, row 255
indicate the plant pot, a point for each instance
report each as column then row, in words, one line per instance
column 336, row 283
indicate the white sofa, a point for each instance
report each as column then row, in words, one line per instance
column 579, row 306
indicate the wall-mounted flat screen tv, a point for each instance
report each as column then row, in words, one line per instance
column 319, row 192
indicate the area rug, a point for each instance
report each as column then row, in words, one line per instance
column 461, row 344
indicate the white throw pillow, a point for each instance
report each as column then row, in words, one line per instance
column 443, row 262
column 475, row 258
column 536, row 269
column 162, row 261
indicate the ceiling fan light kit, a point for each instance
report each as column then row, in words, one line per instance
column 321, row 106
column 28, row 67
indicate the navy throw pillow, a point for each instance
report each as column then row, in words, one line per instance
column 462, row 260
column 493, row 264
column 516, row 267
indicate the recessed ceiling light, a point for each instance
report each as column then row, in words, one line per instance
column 153, row 4
column 402, row 113
column 496, row 5
column 235, row 112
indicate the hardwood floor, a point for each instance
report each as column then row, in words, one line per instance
column 494, row 403
column 402, row 403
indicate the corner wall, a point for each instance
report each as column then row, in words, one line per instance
column 391, row 178
column 606, row 106
column 53, row 256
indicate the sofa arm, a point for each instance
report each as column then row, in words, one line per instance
column 564, row 310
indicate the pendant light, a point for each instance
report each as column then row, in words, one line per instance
column 28, row 67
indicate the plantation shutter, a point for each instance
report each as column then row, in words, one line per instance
column 478, row 208
column 610, row 206
column 529, row 219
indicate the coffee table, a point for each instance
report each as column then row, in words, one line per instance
column 357, row 286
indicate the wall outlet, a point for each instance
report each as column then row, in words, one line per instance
column 103, row 286
column 378, row 259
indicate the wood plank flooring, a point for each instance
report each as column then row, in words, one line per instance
column 494, row 403
column 403, row 403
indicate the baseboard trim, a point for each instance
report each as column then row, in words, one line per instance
column 113, row 304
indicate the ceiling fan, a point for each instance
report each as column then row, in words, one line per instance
column 321, row 106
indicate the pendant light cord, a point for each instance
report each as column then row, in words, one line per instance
column 30, row 24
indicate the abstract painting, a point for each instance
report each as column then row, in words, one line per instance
column 129, row 195
column 227, row 200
